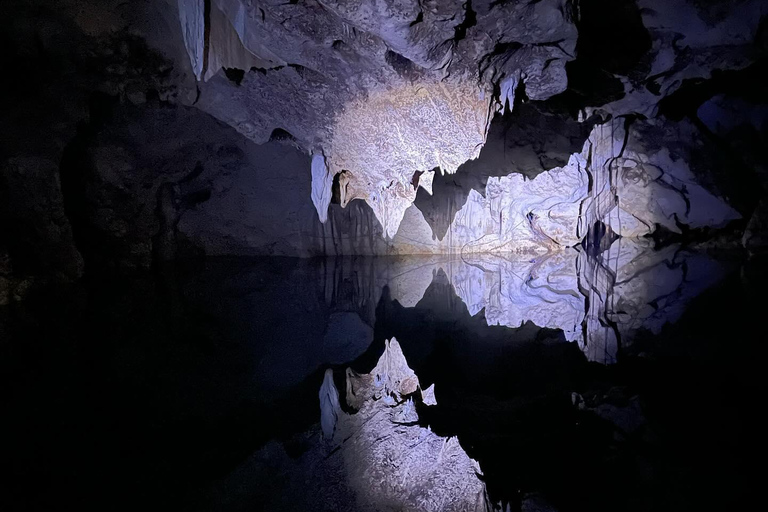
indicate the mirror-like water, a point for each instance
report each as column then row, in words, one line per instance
column 626, row 380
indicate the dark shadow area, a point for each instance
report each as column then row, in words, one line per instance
column 281, row 135
column 127, row 391
column 612, row 41
column 730, row 110
column 234, row 75
column 612, row 36
column 743, row 83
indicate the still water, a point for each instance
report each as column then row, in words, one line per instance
column 627, row 380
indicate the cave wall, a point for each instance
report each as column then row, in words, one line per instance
column 118, row 157
column 64, row 62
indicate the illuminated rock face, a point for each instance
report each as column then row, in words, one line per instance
column 386, row 140
column 384, row 89
column 387, row 90
column 377, row 458
column 515, row 290
column 630, row 188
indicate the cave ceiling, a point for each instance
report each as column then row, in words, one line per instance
column 385, row 90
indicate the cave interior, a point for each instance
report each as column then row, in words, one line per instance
column 383, row 255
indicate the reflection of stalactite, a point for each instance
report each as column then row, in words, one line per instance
column 596, row 282
column 329, row 405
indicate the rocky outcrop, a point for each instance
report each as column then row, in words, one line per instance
column 384, row 140
column 625, row 178
column 134, row 198
column 329, row 405
column 391, row 459
column 373, row 101
column 391, row 379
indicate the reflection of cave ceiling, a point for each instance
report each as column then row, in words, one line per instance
column 385, row 90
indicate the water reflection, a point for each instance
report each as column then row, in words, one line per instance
column 294, row 317
column 599, row 301
column 185, row 382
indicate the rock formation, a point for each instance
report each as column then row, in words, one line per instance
column 390, row 380
column 598, row 301
column 329, row 405
column 388, row 90
column 369, row 105
column 622, row 178
column 383, row 89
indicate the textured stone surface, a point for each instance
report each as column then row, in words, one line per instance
column 192, row 18
column 391, row 375
column 626, row 180
column 233, row 197
column 385, row 138
column 514, row 290
column 388, row 89
column 384, row 89
column 634, row 187
column 329, row 405
column 322, row 183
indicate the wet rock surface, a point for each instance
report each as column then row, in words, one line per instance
column 345, row 78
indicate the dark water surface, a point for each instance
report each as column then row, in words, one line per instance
column 147, row 391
